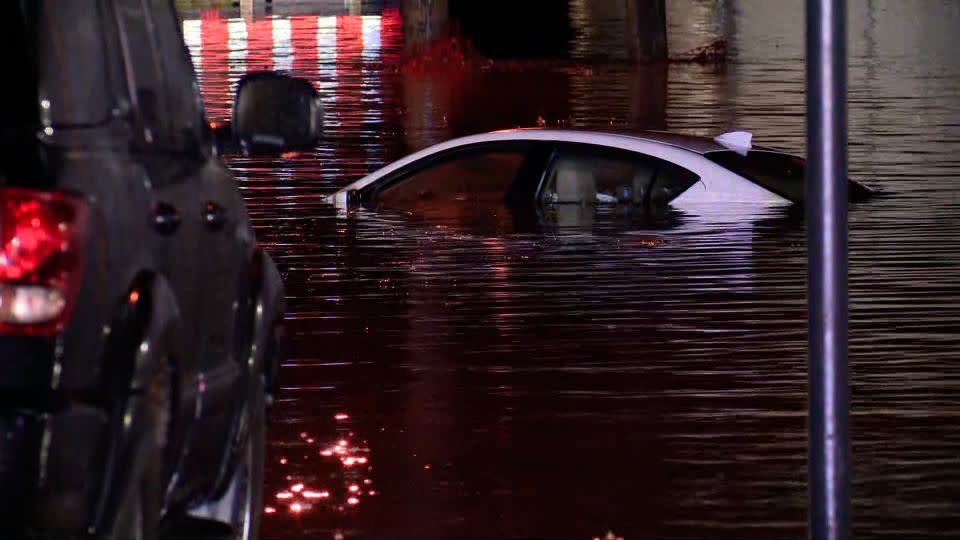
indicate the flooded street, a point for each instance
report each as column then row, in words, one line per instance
column 559, row 376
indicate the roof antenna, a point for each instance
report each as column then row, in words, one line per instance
column 738, row 141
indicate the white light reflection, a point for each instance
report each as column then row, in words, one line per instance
column 282, row 45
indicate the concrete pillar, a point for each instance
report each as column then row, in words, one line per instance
column 428, row 100
column 354, row 7
column 254, row 9
column 424, row 21
column 647, row 30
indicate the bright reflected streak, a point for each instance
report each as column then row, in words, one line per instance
column 192, row 32
column 282, row 44
column 370, row 26
column 237, row 44
column 327, row 58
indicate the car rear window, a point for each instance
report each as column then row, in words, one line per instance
column 54, row 53
column 72, row 62
column 779, row 173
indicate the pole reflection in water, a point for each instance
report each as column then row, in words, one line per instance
column 566, row 374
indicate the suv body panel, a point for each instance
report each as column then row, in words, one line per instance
column 204, row 294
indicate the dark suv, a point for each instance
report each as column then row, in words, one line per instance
column 139, row 320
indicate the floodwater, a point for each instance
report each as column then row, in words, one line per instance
column 564, row 376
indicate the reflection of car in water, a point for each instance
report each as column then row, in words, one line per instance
column 139, row 320
column 527, row 167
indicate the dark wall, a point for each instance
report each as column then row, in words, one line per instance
column 515, row 28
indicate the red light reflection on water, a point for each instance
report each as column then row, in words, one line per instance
column 345, row 462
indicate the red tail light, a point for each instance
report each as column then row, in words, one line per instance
column 41, row 258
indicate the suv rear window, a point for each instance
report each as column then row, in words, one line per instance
column 53, row 52
column 779, row 173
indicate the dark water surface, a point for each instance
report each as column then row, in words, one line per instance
column 556, row 379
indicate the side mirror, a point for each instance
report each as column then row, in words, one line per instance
column 274, row 112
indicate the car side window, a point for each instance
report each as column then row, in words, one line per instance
column 477, row 177
column 72, row 92
column 588, row 175
column 184, row 107
column 143, row 66
column 671, row 181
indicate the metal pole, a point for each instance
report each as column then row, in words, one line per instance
column 829, row 471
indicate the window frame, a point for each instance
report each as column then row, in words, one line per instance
column 202, row 137
column 158, row 134
column 146, row 134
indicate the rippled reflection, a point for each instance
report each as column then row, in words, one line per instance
column 566, row 374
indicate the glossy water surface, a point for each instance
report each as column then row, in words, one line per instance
column 565, row 375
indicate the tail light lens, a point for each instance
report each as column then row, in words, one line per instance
column 41, row 258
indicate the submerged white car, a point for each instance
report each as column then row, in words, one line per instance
column 528, row 167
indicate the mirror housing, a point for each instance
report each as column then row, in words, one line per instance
column 274, row 112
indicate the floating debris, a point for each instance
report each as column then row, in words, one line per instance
column 713, row 52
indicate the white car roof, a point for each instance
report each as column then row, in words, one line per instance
column 684, row 150
column 692, row 143
column 681, row 144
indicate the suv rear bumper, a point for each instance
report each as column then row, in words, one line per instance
column 51, row 468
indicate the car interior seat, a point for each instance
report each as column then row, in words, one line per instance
column 574, row 182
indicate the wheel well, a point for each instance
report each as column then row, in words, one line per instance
column 139, row 317
column 260, row 316
column 128, row 328
column 271, row 316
